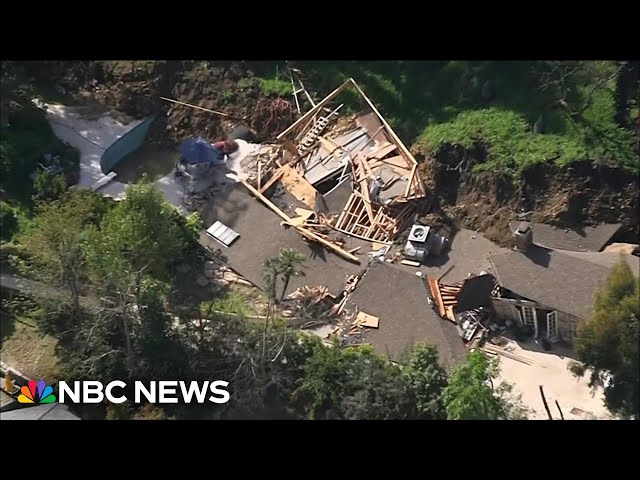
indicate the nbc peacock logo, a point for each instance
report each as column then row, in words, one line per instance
column 36, row 393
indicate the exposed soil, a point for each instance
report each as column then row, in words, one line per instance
column 135, row 88
column 487, row 202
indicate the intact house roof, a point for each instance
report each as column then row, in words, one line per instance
column 399, row 300
column 560, row 280
column 468, row 253
column 584, row 239
column 262, row 236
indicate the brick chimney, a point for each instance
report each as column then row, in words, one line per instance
column 524, row 236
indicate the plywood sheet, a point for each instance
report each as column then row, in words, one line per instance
column 298, row 186
column 303, row 216
column 367, row 320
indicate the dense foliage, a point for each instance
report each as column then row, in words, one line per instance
column 609, row 343
column 520, row 112
column 114, row 261
column 472, row 395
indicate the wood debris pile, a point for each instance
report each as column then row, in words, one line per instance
column 323, row 147
column 445, row 297
column 313, row 303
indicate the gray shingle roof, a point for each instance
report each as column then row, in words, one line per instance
column 553, row 278
column 261, row 236
column 584, row 239
column 399, row 300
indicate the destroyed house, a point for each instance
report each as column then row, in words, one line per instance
column 550, row 291
column 325, row 150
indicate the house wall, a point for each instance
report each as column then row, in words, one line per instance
column 567, row 326
column 567, row 323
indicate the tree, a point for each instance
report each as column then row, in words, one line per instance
column 287, row 264
column 609, row 343
column 8, row 221
column 427, row 380
column 140, row 235
column 55, row 243
column 471, row 394
column 352, row 384
column 48, row 186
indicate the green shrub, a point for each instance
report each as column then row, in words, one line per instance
column 275, row 87
column 48, row 187
column 511, row 145
column 8, row 221
column 245, row 83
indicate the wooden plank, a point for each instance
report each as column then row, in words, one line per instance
column 222, row 114
column 362, row 237
column 435, row 293
column 299, row 187
column 274, row 178
column 303, row 231
column 382, row 151
column 411, row 263
column 329, row 145
column 375, row 246
column 388, row 128
column 364, row 186
column 315, row 109
column 409, row 183
column 449, row 314
column 345, row 210
column 395, row 162
column 367, row 320
column 259, row 173
column 303, row 216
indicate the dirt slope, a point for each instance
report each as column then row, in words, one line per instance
column 487, row 202
column 580, row 195
column 135, row 88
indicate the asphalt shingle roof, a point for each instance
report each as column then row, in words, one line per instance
column 399, row 300
column 262, row 236
column 560, row 280
column 584, row 239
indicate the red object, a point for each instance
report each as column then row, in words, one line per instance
column 220, row 145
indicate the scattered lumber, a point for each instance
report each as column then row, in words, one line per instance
column 274, row 178
column 303, row 231
column 501, row 351
column 435, row 294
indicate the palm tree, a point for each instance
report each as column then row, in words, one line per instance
column 286, row 265
column 290, row 261
column 271, row 270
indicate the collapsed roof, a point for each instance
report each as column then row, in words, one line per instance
column 324, row 146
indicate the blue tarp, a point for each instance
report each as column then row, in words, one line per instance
column 198, row 150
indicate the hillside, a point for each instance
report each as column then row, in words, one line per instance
column 559, row 139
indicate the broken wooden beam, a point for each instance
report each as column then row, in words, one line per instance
column 315, row 109
column 303, row 231
column 435, row 293
column 274, row 178
column 222, row 114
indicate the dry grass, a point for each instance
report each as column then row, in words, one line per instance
column 29, row 351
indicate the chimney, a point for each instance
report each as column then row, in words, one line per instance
column 524, row 236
